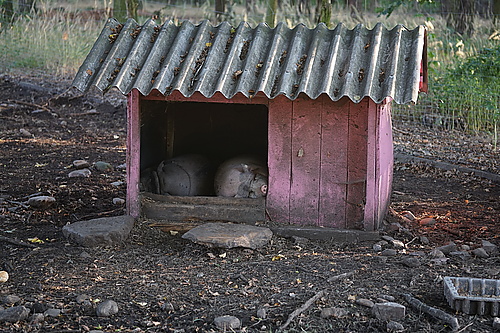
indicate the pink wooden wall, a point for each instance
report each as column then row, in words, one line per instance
column 330, row 163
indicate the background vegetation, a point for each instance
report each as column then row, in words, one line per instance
column 463, row 48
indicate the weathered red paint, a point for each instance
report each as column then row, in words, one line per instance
column 133, row 153
column 330, row 163
column 306, row 137
column 279, row 158
column 333, row 182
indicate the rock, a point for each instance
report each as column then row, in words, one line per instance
column 168, row 306
column 81, row 164
column 106, row 308
column 82, row 298
column 489, row 247
column 103, row 166
column 389, row 253
column 439, row 261
column 398, row 245
column 387, row 238
column 100, row 232
column 118, row 201
column 82, row 173
column 411, row 262
column 229, row 235
column 387, row 298
column 480, row 252
column 10, row 299
column 389, row 311
column 393, row 227
column 52, row 313
column 436, row 254
column 377, row 247
column 261, row 313
column 464, row 255
column 428, row 221
column 25, row 133
column 334, row 312
column 394, row 326
column 13, row 314
column 465, row 247
column 85, row 254
column 227, row 323
column 496, row 323
column 39, row 307
column 424, row 240
column 446, row 249
column 37, row 318
column 122, row 166
column 4, row 276
column 41, row 201
column 117, row 183
column 365, row 302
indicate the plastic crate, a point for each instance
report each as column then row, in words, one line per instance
column 473, row 296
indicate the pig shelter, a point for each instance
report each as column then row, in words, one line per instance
column 314, row 103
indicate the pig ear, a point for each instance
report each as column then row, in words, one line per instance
column 244, row 168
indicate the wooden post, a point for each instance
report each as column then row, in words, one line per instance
column 133, row 153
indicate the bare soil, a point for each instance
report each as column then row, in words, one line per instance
column 163, row 283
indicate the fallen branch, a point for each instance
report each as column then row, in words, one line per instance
column 436, row 313
column 340, row 276
column 37, row 106
column 16, row 242
column 303, row 308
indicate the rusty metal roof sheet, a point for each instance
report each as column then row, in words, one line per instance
column 203, row 58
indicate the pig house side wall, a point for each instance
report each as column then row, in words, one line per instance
column 318, row 158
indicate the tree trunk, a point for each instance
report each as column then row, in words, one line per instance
column 272, row 12
column 496, row 12
column 325, row 12
column 220, row 9
column 459, row 15
column 120, row 10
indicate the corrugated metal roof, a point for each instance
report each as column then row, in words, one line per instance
column 190, row 58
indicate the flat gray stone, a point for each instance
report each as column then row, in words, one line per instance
column 41, row 201
column 365, row 302
column 228, row 235
column 394, row 326
column 13, row 314
column 480, row 252
column 334, row 313
column 107, row 308
column 446, row 249
column 489, row 247
column 81, row 164
column 103, row 166
column 100, row 232
column 81, row 173
column 227, row 323
column 389, row 311
column 389, row 253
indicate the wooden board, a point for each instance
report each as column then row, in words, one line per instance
column 356, row 164
column 279, row 157
column 188, row 209
column 333, row 184
column 306, row 143
column 133, row 153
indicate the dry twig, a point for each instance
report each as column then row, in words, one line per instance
column 303, row 308
column 340, row 276
column 436, row 313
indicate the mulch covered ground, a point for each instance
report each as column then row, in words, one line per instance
column 163, row 283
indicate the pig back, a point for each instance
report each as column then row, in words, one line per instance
column 239, row 176
column 186, row 175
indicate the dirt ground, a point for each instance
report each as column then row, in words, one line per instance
column 163, row 283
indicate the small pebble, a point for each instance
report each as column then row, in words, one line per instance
column 398, row 244
column 480, row 253
column 82, row 298
column 333, row 313
column 82, row 173
column 227, row 323
column 107, row 308
column 118, row 201
column 428, row 221
column 436, row 254
column 37, row 318
column 117, row 183
column 496, row 323
column 14, row 314
column 424, row 240
column 450, row 247
column 489, row 247
column 365, row 302
column 25, row 133
column 389, row 252
column 388, row 298
column 388, row 238
column 262, row 313
column 81, row 164
column 394, row 326
column 411, row 262
column 377, row 247
column 52, row 313
column 103, row 166
column 4, row 276
column 10, row 299
column 41, row 201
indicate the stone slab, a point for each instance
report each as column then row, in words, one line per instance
column 229, row 235
column 105, row 231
